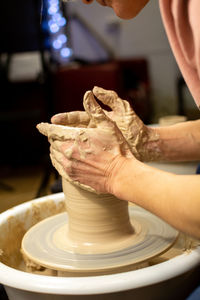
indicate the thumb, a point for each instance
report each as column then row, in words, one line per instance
column 95, row 112
column 58, row 132
column 43, row 128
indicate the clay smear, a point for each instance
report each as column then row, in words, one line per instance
column 96, row 223
column 12, row 231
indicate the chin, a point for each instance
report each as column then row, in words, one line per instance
column 126, row 16
column 128, row 12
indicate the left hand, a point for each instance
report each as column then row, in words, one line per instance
column 88, row 156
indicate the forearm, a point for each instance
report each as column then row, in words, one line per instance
column 179, row 142
column 174, row 198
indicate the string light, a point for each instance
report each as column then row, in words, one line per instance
column 62, row 22
column 56, row 25
column 57, row 44
column 62, row 38
column 66, row 52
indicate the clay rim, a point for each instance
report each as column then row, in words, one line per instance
column 93, row 284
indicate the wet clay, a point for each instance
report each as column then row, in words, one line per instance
column 96, row 223
column 12, row 231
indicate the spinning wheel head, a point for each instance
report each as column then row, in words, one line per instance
column 47, row 244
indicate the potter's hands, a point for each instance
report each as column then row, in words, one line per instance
column 138, row 136
column 88, row 156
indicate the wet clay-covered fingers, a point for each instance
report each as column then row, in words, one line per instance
column 58, row 132
column 73, row 119
column 136, row 133
column 112, row 100
column 96, row 113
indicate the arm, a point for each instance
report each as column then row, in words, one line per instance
column 174, row 198
column 179, row 142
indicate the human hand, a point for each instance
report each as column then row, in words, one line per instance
column 90, row 157
column 137, row 134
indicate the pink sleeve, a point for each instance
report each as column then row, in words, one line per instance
column 181, row 19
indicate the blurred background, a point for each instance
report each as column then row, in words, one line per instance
column 51, row 52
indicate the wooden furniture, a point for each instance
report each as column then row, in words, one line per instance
column 129, row 78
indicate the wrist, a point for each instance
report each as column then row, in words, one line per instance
column 179, row 142
column 121, row 176
column 149, row 147
column 115, row 172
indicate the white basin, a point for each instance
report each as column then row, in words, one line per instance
column 172, row 279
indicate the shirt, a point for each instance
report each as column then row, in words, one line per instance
column 181, row 19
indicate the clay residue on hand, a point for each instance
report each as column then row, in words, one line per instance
column 129, row 126
column 143, row 140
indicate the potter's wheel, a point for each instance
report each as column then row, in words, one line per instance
column 152, row 237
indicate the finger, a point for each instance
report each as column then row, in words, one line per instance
column 56, row 154
column 95, row 112
column 73, row 118
column 57, row 132
column 64, row 168
column 58, row 165
column 59, row 145
column 72, row 149
column 72, row 167
column 66, row 150
column 43, row 128
column 111, row 99
column 61, row 163
column 59, row 119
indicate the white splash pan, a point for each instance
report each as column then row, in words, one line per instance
column 152, row 282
